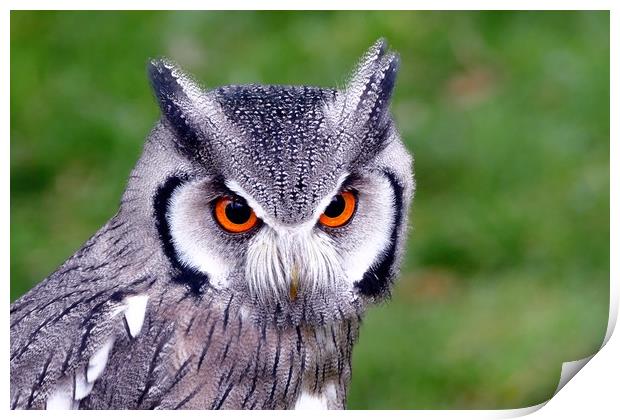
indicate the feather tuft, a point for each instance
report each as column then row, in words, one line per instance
column 134, row 314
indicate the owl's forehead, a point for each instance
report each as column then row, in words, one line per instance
column 288, row 161
column 269, row 112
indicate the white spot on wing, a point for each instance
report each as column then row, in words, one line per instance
column 61, row 398
column 323, row 401
column 97, row 362
column 82, row 386
column 307, row 401
column 331, row 395
column 134, row 314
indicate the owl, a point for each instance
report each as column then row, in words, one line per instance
column 257, row 227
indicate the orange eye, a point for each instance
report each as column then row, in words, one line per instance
column 234, row 215
column 340, row 210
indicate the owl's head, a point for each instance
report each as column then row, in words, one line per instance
column 293, row 197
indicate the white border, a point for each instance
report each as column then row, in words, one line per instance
column 594, row 392
column 313, row 5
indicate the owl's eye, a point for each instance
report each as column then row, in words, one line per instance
column 340, row 210
column 234, row 215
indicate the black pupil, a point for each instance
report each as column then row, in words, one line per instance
column 336, row 207
column 238, row 212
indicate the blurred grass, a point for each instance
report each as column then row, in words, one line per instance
column 507, row 113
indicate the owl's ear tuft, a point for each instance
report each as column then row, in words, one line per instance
column 367, row 65
column 171, row 85
column 379, row 88
column 179, row 97
column 366, row 98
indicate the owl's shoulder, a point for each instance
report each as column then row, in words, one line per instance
column 62, row 333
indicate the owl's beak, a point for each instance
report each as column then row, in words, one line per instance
column 294, row 282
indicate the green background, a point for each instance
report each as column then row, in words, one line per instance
column 507, row 268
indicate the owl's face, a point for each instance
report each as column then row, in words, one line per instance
column 294, row 197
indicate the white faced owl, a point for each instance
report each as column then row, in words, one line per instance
column 257, row 227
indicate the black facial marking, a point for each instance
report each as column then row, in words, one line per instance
column 377, row 279
column 191, row 278
column 160, row 205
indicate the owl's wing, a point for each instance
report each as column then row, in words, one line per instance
column 63, row 330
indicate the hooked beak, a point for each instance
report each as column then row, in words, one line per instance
column 294, row 282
